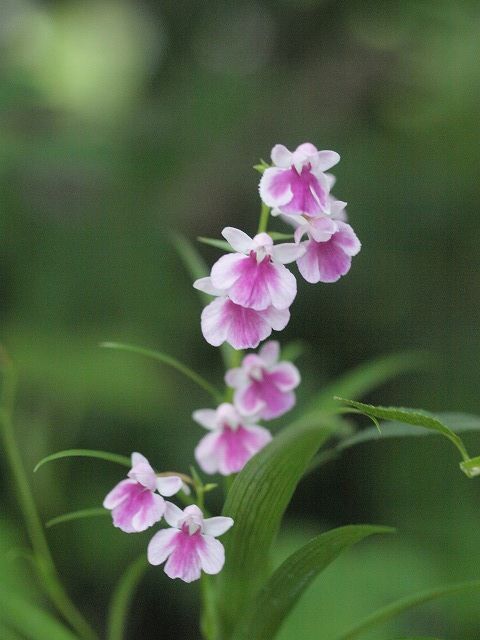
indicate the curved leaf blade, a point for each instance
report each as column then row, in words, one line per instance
column 412, row 417
column 164, row 358
column 404, row 604
column 283, row 589
column 257, row 501
column 122, row 598
column 84, row 453
column 457, row 422
column 77, row 515
column 31, row 621
column 217, row 244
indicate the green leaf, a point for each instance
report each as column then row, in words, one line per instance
column 77, row 515
column 404, row 604
column 122, row 598
column 413, row 417
column 283, row 589
column 361, row 380
column 171, row 362
column 85, row 453
column 29, row 620
column 457, row 422
column 257, row 501
column 261, row 166
column 218, row 244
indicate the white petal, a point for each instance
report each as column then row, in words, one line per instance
column 205, row 285
column 238, row 239
column 207, row 418
column 271, row 194
column 278, row 318
column 173, row 514
column 137, row 458
column 217, row 526
column 161, row 546
column 288, row 252
column 235, row 377
column 169, row 485
column 212, row 555
column 281, row 156
column 270, row 352
column 285, row 289
column 214, row 326
column 224, row 273
column 331, row 179
column 324, row 160
column 207, row 452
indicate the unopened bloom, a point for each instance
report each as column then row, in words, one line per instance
column 134, row 504
column 256, row 277
column 263, row 386
column 190, row 545
column 298, row 183
column 243, row 328
column 232, row 440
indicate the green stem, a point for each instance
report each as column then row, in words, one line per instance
column 209, row 617
column 44, row 560
column 263, row 222
column 172, row 362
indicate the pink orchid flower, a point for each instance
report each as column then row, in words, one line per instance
column 134, row 504
column 232, row 440
column 243, row 328
column 263, row 386
column 329, row 250
column 298, row 183
column 256, row 277
column 190, row 546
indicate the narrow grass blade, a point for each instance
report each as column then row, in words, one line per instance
column 122, row 599
column 171, row 362
column 257, row 501
column 217, row 244
column 77, row 515
column 29, row 620
column 84, row 453
column 404, row 604
column 283, row 589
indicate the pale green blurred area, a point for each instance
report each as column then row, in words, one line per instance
column 121, row 122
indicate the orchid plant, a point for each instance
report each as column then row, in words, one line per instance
column 253, row 291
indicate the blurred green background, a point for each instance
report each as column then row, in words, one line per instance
column 124, row 121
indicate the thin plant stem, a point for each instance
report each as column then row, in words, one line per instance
column 263, row 222
column 209, row 618
column 43, row 558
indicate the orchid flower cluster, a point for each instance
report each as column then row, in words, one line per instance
column 253, row 288
column 254, row 291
